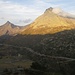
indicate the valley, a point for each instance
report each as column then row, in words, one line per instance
column 44, row 47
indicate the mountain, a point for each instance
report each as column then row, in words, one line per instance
column 53, row 20
column 50, row 22
column 55, row 52
column 9, row 29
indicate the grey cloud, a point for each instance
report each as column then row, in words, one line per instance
column 60, row 12
column 26, row 20
column 2, row 18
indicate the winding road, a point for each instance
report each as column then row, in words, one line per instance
column 36, row 53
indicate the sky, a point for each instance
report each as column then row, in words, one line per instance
column 23, row 12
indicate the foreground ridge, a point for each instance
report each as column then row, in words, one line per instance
column 42, row 55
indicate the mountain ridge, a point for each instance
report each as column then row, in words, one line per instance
column 9, row 29
column 53, row 20
column 48, row 23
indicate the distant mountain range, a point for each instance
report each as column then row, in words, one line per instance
column 53, row 20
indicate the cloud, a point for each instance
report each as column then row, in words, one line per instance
column 57, row 10
column 26, row 21
column 42, row 5
column 2, row 18
column 12, row 11
column 15, row 8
